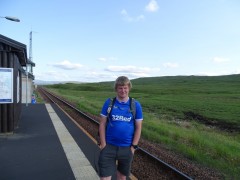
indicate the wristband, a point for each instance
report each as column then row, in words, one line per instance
column 135, row 146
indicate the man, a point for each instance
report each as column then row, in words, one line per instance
column 119, row 131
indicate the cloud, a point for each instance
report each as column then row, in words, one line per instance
column 55, row 76
column 220, row 60
column 102, row 59
column 140, row 17
column 127, row 69
column 132, row 71
column 124, row 12
column 67, row 65
column 152, row 6
column 128, row 18
column 170, row 65
column 105, row 59
column 216, row 73
column 237, row 71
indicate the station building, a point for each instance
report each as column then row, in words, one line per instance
column 16, row 82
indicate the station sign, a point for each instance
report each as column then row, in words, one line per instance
column 6, row 85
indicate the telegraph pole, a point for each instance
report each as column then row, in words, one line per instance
column 30, row 59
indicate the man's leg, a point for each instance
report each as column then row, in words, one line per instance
column 125, row 158
column 120, row 176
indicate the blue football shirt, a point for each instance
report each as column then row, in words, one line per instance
column 120, row 127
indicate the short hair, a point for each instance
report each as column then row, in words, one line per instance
column 122, row 81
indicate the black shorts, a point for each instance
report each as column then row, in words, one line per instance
column 107, row 160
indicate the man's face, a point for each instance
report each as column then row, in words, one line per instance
column 122, row 91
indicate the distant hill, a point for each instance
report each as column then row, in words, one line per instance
column 41, row 82
column 163, row 79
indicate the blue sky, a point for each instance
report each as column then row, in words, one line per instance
column 98, row 40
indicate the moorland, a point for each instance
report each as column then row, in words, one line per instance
column 196, row 116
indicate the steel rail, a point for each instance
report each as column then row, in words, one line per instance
column 180, row 174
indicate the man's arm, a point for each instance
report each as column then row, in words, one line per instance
column 137, row 133
column 102, row 131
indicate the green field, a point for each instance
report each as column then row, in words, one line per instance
column 197, row 116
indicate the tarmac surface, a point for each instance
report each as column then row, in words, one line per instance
column 47, row 145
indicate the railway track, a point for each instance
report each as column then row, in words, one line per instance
column 145, row 164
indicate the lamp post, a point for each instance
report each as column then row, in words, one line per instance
column 11, row 18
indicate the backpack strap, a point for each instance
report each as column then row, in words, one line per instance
column 110, row 107
column 133, row 107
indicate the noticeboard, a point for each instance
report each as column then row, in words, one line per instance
column 6, row 85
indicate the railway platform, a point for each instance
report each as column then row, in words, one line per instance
column 47, row 145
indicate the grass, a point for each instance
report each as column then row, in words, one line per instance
column 176, row 110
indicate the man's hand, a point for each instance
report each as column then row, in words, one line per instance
column 102, row 146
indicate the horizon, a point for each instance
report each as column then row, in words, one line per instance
column 46, row 82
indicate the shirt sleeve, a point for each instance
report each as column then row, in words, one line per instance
column 139, row 114
column 105, row 108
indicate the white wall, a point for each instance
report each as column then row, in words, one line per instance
column 27, row 87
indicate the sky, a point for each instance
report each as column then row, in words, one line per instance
column 99, row 40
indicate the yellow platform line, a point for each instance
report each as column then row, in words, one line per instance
column 80, row 165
